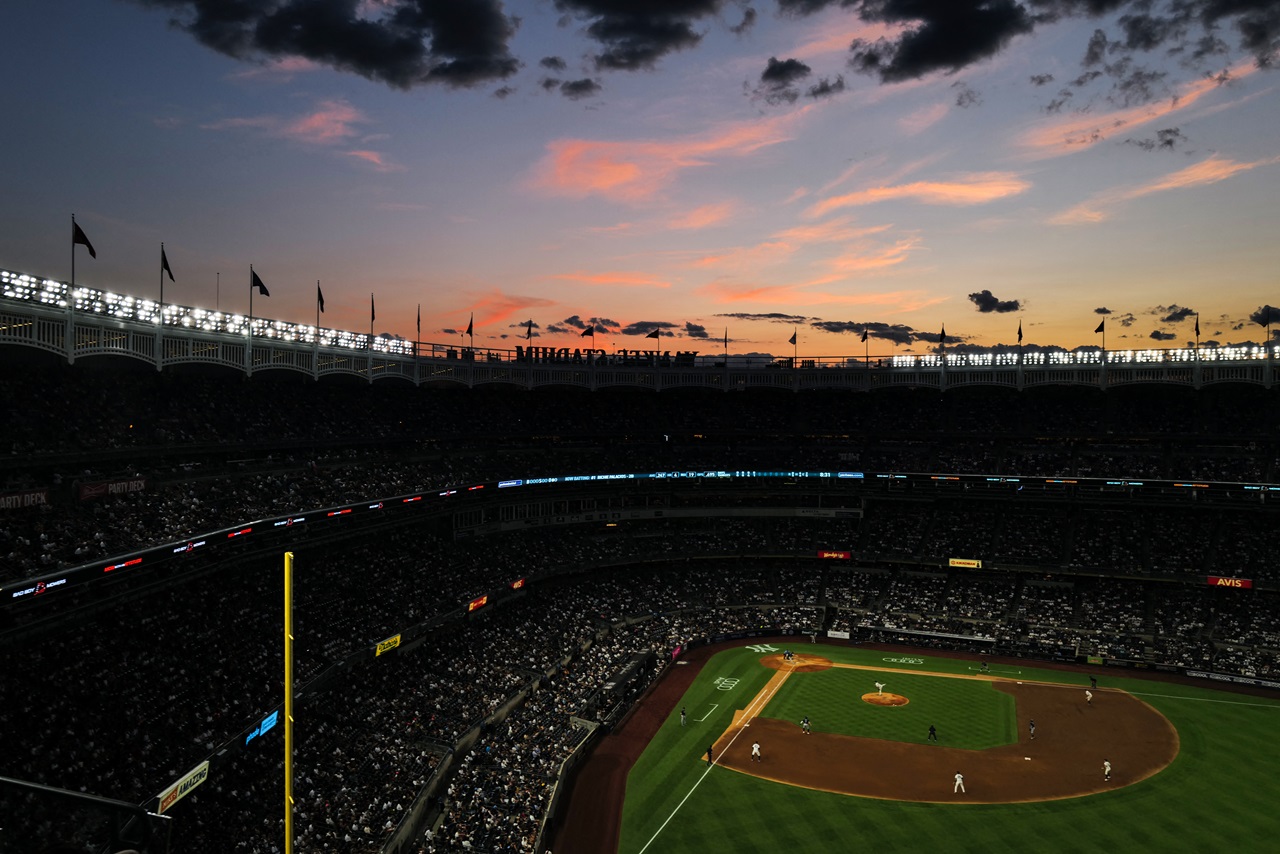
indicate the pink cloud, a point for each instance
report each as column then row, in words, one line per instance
column 975, row 189
column 923, row 119
column 496, row 308
column 629, row 280
column 377, row 160
column 635, row 171
column 330, row 123
column 281, row 69
column 1206, row 172
column 705, row 216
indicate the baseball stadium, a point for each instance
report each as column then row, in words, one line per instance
column 283, row 594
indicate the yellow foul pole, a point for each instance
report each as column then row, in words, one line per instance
column 288, row 703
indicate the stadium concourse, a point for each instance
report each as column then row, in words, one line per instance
column 456, row 739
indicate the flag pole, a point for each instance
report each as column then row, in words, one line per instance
column 160, row 314
column 248, row 352
column 162, row 266
column 71, row 299
column 288, row 702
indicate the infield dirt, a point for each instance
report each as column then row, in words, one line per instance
column 1072, row 740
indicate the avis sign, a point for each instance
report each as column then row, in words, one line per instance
column 1238, row 583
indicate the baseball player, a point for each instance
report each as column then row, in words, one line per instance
column 1031, row 725
column 682, row 715
column 1106, row 769
column 804, row 724
column 710, row 755
column 1088, row 697
column 755, row 752
column 959, row 787
column 879, row 687
column 933, row 732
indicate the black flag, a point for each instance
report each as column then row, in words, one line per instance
column 320, row 297
column 942, row 337
column 164, row 263
column 590, row 330
column 78, row 236
column 792, row 339
column 1019, row 331
column 864, row 335
column 255, row 282
column 1102, row 327
column 471, row 324
column 528, row 333
column 654, row 334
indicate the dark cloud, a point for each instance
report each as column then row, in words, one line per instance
column 503, row 92
column 1041, row 79
column 825, row 88
column 748, row 21
column 966, row 96
column 895, row 333
column 1138, row 86
column 1059, row 102
column 1096, row 51
column 783, row 72
column 987, row 302
column 644, row 327
column 1166, row 140
column 1161, row 335
column 693, row 330
column 1174, row 313
column 775, row 316
column 1126, row 320
column 459, row 43
column 777, row 81
column 635, row 35
column 1102, row 309
column 939, row 35
column 578, row 89
column 549, row 84
column 1085, row 79
column 1267, row 315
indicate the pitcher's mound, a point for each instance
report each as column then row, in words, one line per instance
column 885, row 699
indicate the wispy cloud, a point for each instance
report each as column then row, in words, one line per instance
column 1209, row 171
column 281, row 70
column 922, row 119
column 376, row 159
column 330, row 123
column 796, row 296
column 705, row 216
column 975, row 189
column 1069, row 134
column 635, row 171
column 615, row 279
column 784, row 244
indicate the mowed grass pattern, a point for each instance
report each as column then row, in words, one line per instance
column 1218, row 795
column 968, row 714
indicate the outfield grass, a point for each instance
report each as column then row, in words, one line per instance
column 968, row 715
column 1218, row 795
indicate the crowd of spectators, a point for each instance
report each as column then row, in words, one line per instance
column 141, row 688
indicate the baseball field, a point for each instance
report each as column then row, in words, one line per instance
column 1191, row 768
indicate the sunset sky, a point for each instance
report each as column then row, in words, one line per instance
column 703, row 167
